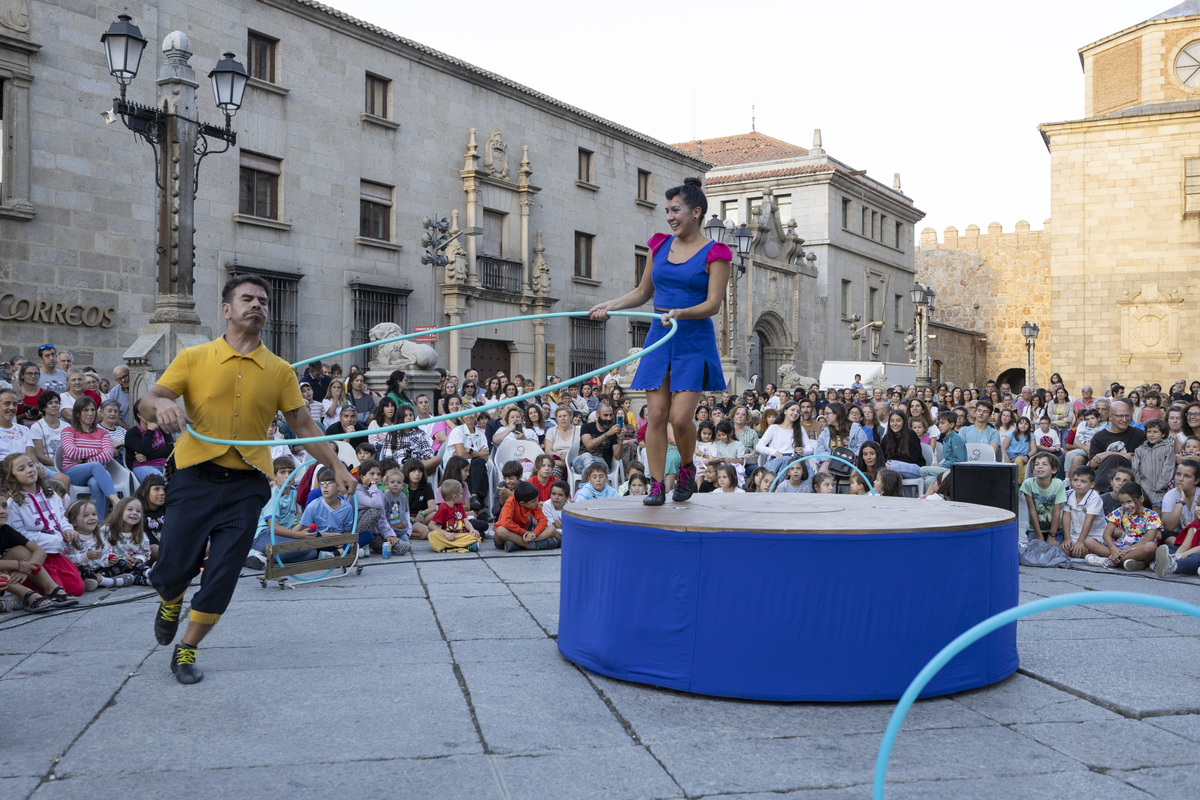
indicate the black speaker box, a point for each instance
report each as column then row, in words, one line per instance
column 985, row 483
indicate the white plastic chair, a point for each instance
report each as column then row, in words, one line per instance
column 517, row 449
column 927, row 452
column 978, row 451
column 573, row 477
column 74, row 492
column 345, row 453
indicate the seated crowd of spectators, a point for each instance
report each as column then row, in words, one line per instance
column 1131, row 463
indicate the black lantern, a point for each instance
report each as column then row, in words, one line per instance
column 929, row 295
column 229, row 84
column 715, row 229
column 917, row 295
column 123, row 45
column 744, row 237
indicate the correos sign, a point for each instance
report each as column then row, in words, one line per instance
column 22, row 309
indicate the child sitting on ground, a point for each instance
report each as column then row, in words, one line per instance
column 153, row 494
column 36, row 512
column 858, row 485
column 395, row 512
column 126, row 546
column 823, row 483
column 1132, row 533
column 450, row 531
column 727, row 480
column 1120, row 477
column 797, row 480
column 635, row 468
column 596, row 485
column 763, row 480
column 889, row 483
column 1181, row 558
column 709, row 483
column 280, row 516
column 1154, row 462
column 329, row 513
column 1044, row 498
column 87, row 550
column 511, row 473
column 543, row 476
column 22, row 568
column 422, row 501
column 522, row 522
column 553, row 508
column 1083, row 520
column 638, row 484
column 373, row 526
column 363, row 451
column 940, row 490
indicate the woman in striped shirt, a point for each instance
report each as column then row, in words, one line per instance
column 86, row 448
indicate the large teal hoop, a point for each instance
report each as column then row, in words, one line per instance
column 823, row 457
column 464, row 412
column 983, row 629
column 275, row 514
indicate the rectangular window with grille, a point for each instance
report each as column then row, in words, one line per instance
column 643, row 185
column 641, row 258
column 638, row 330
column 1191, row 184
column 260, row 56
column 587, row 163
column 258, row 191
column 375, row 211
column 585, row 245
column 373, row 305
column 587, row 346
column 283, row 309
column 492, row 241
column 377, row 96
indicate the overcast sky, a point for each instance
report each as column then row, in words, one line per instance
column 948, row 94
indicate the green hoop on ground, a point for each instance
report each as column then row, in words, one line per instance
column 464, row 412
column 275, row 514
column 823, row 457
column 983, row 629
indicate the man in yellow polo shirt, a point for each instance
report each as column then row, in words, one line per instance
column 231, row 389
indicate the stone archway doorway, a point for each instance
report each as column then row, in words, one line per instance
column 1015, row 378
column 771, row 349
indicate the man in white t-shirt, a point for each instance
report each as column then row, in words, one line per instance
column 52, row 377
column 16, row 438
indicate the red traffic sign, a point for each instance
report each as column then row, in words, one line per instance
column 430, row 338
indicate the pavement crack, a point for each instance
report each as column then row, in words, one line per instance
column 458, row 673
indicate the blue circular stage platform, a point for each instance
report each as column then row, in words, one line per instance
column 787, row 597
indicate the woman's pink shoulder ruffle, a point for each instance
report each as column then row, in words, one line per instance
column 656, row 241
column 718, row 252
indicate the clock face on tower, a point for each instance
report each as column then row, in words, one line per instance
column 1187, row 66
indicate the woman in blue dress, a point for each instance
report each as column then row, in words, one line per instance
column 687, row 282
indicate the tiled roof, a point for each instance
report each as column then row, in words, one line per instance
column 487, row 75
column 745, row 148
column 1187, row 9
column 783, row 172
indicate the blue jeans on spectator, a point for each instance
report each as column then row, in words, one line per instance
column 94, row 476
column 906, row 468
column 141, row 472
column 585, row 460
column 775, row 464
column 1188, row 564
column 264, row 539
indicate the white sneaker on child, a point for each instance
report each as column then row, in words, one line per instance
column 1133, row 565
column 1096, row 561
column 1164, row 565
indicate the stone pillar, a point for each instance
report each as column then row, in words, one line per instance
column 525, row 200
column 175, row 323
column 539, row 350
column 454, row 318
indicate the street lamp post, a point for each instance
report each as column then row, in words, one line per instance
column 716, row 230
column 922, row 299
column 180, row 143
column 1030, row 331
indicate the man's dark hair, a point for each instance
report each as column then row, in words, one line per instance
column 525, row 492
column 237, row 280
column 513, row 469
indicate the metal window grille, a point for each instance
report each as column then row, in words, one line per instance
column 641, row 258
column 587, row 346
column 499, row 274
column 283, row 310
column 1191, row 184
column 260, row 57
column 638, row 332
column 373, row 305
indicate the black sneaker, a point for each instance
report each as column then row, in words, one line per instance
column 685, row 484
column 166, row 622
column 183, row 664
column 657, row 495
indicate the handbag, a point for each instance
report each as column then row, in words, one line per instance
column 837, row 467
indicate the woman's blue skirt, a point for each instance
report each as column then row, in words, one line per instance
column 690, row 356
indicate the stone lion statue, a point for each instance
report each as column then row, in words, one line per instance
column 631, row 367
column 407, row 356
column 791, row 380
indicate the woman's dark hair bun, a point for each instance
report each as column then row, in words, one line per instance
column 692, row 194
column 693, row 182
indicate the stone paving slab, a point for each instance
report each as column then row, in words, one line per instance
column 1166, row 783
column 1093, row 743
column 1052, row 786
column 605, row 773
column 1020, row 698
column 1046, row 628
column 1187, row 726
column 499, row 617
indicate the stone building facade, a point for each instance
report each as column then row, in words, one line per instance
column 829, row 243
column 991, row 283
column 1125, row 200
column 348, row 136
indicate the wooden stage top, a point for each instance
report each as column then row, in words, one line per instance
column 793, row 513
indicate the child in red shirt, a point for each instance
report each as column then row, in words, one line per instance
column 522, row 523
column 543, row 476
column 450, row 530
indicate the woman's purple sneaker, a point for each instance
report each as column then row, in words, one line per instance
column 685, row 484
column 657, row 495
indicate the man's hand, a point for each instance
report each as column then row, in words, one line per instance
column 171, row 418
column 347, row 485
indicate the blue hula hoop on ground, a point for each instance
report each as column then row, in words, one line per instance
column 275, row 513
column 823, row 457
column 983, row 629
column 672, row 329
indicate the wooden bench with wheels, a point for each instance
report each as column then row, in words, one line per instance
column 274, row 572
